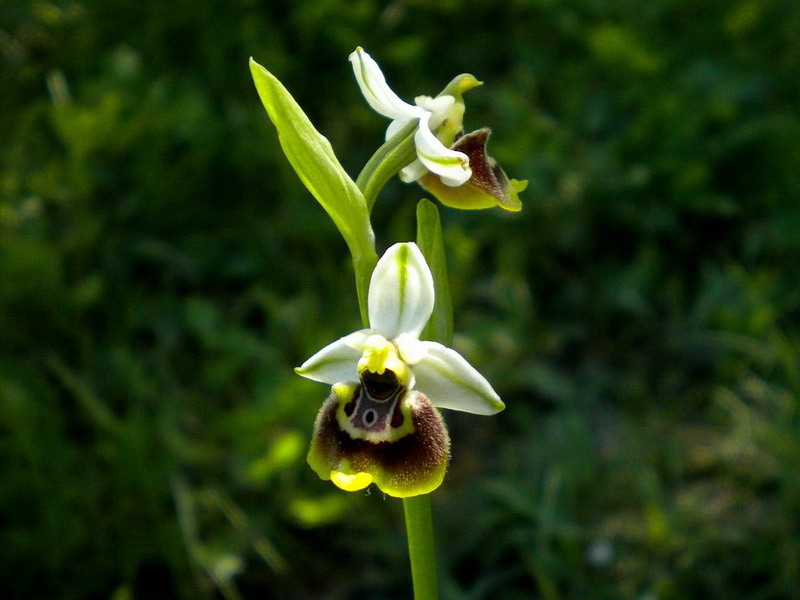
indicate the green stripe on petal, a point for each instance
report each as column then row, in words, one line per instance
column 376, row 91
column 450, row 165
column 402, row 271
column 334, row 363
column 451, row 382
column 401, row 292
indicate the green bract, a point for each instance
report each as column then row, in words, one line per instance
column 431, row 243
column 314, row 161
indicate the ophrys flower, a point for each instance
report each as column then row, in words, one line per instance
column 442, row 114
column 454, row 167
column 379, row 423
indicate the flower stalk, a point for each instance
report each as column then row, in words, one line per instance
column 421, row 546
column 388, row 160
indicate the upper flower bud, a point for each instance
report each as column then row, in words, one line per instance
column 455, row 168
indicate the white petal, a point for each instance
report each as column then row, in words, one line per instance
column 410, row 348
column 335, row 363
column 377, row 92
column 439, row 108
column 450, row 381
column 413, row 171
column 451, row 166
column 400, row 292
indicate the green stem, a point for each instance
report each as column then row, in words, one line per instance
column 363, row 266
column 419, row 529
column 363, row 270
column 392, row 156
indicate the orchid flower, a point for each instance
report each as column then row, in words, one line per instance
column 454, row 167
column 380, row 423
column 430, row 113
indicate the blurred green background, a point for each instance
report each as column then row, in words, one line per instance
column 162, row 270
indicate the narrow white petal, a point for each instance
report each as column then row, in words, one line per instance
column 335, row 363
column 400, row 292
column 451, row 166
column 449, row 381
column 377, row 92
column 413, row 171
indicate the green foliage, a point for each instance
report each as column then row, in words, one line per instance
column 162, row 270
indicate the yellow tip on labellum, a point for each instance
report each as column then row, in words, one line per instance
column 487, row 187
column 409, row 465
column 351, row 483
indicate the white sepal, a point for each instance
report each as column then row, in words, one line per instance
column 451, row 382
column 335, row 363
column 377, row 92
column 401, row 292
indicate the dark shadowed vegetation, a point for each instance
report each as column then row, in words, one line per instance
column 162, row 270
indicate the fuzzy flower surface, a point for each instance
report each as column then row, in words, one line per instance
column 380, row 423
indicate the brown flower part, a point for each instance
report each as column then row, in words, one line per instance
column 488, row 186
column 412, row 463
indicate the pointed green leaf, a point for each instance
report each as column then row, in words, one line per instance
column 314, row 161
column 431, row 243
